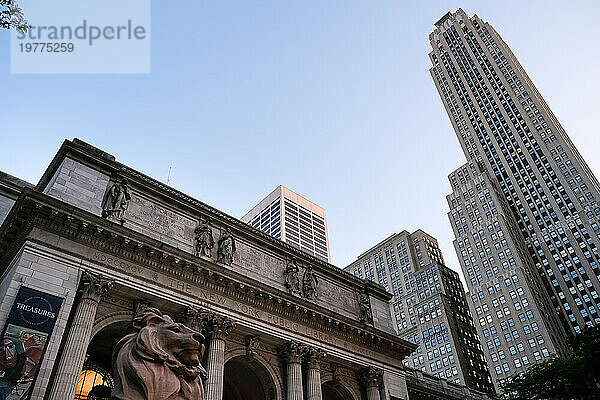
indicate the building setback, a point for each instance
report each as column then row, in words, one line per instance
column 429, row 306
column 513, row 313
column 537, row 191
column 287, row 216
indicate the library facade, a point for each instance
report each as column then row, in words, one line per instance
column 97, row 253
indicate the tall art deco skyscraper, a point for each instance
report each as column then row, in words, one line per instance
column 524, row 207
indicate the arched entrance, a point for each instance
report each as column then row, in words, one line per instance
column 333, row 390
column 95, row 381
column 246, row 378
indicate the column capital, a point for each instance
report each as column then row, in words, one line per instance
column 214, row 325
column 291, row 352
column 194, row 318
column 93, row 286
column 370, row 376
column 218, row 326
column 313, row 356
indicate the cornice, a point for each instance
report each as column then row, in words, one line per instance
column 11, row 185
column 52, row 215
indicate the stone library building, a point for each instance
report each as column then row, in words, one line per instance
column 117, row 286
column 524, row 207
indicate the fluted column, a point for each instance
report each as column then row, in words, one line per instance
column 313, row 373
column 291, row 353
column 371, row 378
column 216, row 327
column 72, row 357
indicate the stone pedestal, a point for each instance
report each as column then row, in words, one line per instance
column 313, row 373
column 371, row 378
column 291, row 353
column 71, row 360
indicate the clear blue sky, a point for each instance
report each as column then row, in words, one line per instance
column 332, row 99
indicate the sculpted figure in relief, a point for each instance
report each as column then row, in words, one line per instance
column 204, row 238
column 309, row 283
column 252, row 345
column 116, row 201
column 226, row 247
column 159, row 360
column 290, row 276
column 364, row 304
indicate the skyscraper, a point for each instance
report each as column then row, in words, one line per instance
column 429, row 306
column 290, row 217
column 511, row 308
column 525, row 189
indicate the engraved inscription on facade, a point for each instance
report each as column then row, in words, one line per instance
column 260, row 265
column 172, row 226
column 339, row 297
column 207, row 298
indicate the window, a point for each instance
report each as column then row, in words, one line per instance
column 517, row 363
column 93, row 380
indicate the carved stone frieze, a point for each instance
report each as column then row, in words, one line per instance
column 156, row 269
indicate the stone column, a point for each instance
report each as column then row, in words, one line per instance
column 92, row 287
column 313, row 373
column 371, row 378
column 216, row 327
column 291, row 353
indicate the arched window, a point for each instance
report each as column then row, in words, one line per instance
column 95, row 383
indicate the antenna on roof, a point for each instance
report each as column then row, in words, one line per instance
column 169, row 176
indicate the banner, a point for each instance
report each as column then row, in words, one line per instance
column 24, row 338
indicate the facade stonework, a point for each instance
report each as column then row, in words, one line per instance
column 106, row 269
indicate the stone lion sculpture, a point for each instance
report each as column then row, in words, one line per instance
column 160, row 360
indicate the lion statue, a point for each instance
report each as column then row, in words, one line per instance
column 160, row 360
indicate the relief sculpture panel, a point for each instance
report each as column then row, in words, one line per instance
column 260, row 266
column 338, row 298
column 160, row 222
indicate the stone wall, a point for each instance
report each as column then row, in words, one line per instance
column 394, row 383
column 78, row 185
column 37, row 269
column 160, row 221
column 382, row 315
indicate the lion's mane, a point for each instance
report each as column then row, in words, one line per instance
column 145, row 371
